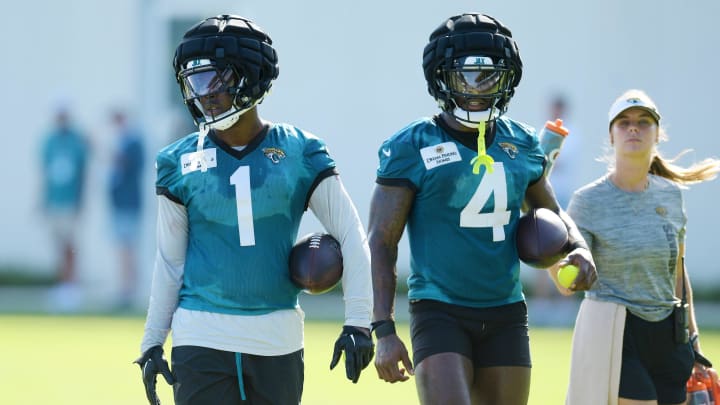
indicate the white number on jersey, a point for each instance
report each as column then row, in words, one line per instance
column 492, row 184
column 241, row 180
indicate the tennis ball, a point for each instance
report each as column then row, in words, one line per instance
column 566, row 275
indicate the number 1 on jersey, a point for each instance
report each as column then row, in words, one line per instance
column 241, row 180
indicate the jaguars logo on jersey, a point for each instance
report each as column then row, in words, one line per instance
column 509, row 148
column 274, row 154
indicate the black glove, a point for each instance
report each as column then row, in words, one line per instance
column 151, row 363
column 359, row 351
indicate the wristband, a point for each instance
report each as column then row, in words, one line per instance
column 383, row 328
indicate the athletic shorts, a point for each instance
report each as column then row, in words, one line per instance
column 209, row 376
column 654, row 367
column 490, row 337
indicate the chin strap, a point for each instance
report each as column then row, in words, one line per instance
column 482, row 159
column 200, row 153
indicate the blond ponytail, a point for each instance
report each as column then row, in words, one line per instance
column 706, row 169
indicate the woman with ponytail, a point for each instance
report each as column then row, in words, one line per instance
column 635, row 338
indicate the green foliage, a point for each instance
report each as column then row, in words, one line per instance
column 12, row 275
column 88, row 360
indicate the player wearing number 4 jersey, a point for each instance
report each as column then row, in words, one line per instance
column 231, row 198
column 458, row 181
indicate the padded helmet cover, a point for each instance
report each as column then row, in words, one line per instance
column 237, row 42
column 469, row 34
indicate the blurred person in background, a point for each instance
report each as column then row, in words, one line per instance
column 125, row 195
column 64, row 158
column 457, row 180
column 231, row 197
column 634, row 342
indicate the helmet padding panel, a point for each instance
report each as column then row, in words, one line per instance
column 470, row 34
column 236, row 42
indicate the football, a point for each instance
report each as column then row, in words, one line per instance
column 316, row 263
column 541, row 238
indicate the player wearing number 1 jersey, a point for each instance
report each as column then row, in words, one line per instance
column 231, row 198
column 245, row 210
column 457, row 181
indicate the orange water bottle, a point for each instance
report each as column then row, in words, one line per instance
column 697, row 392
column 712, row 389
column 552, row 136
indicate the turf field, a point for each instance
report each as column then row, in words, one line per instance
column 87, row 360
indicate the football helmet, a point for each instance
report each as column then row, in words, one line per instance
column 224, row 56
column 472, row 66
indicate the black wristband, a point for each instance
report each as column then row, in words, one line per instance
column 383, row 328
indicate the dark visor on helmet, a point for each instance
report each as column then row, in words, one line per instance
column 475, row 75
column 206, row 81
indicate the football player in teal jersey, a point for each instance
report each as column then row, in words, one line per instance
column 231, row 198
column 65, row 156
column 458, row 181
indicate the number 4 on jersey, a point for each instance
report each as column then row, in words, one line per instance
column 492, row 184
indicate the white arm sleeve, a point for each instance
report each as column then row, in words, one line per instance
column 333, row 207
column 172, row 237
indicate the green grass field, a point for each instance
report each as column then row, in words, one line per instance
column 88, row 360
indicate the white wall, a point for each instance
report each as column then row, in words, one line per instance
column 349, row 72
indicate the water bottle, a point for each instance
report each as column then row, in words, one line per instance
column 712, row 389
column 552, row 136
column 697, row 393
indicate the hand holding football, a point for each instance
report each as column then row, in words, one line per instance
column 316, row 263
column 541, row 238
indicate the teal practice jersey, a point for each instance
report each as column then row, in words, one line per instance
column 461, row 227
column 64, row 157
column 244, row 209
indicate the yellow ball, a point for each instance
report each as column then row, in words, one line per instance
column 567, row 274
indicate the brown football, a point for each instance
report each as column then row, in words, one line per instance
column 541, row 238
column 316, row 263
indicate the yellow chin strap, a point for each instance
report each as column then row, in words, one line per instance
column 482, row 159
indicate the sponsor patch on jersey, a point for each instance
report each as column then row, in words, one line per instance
column 509, row 148
column 440, row 154
column 194, row 161
column 274, row 154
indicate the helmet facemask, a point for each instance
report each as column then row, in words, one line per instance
column 476, row 89
column 213, row 93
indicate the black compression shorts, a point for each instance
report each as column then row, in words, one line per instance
column 490, row 337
